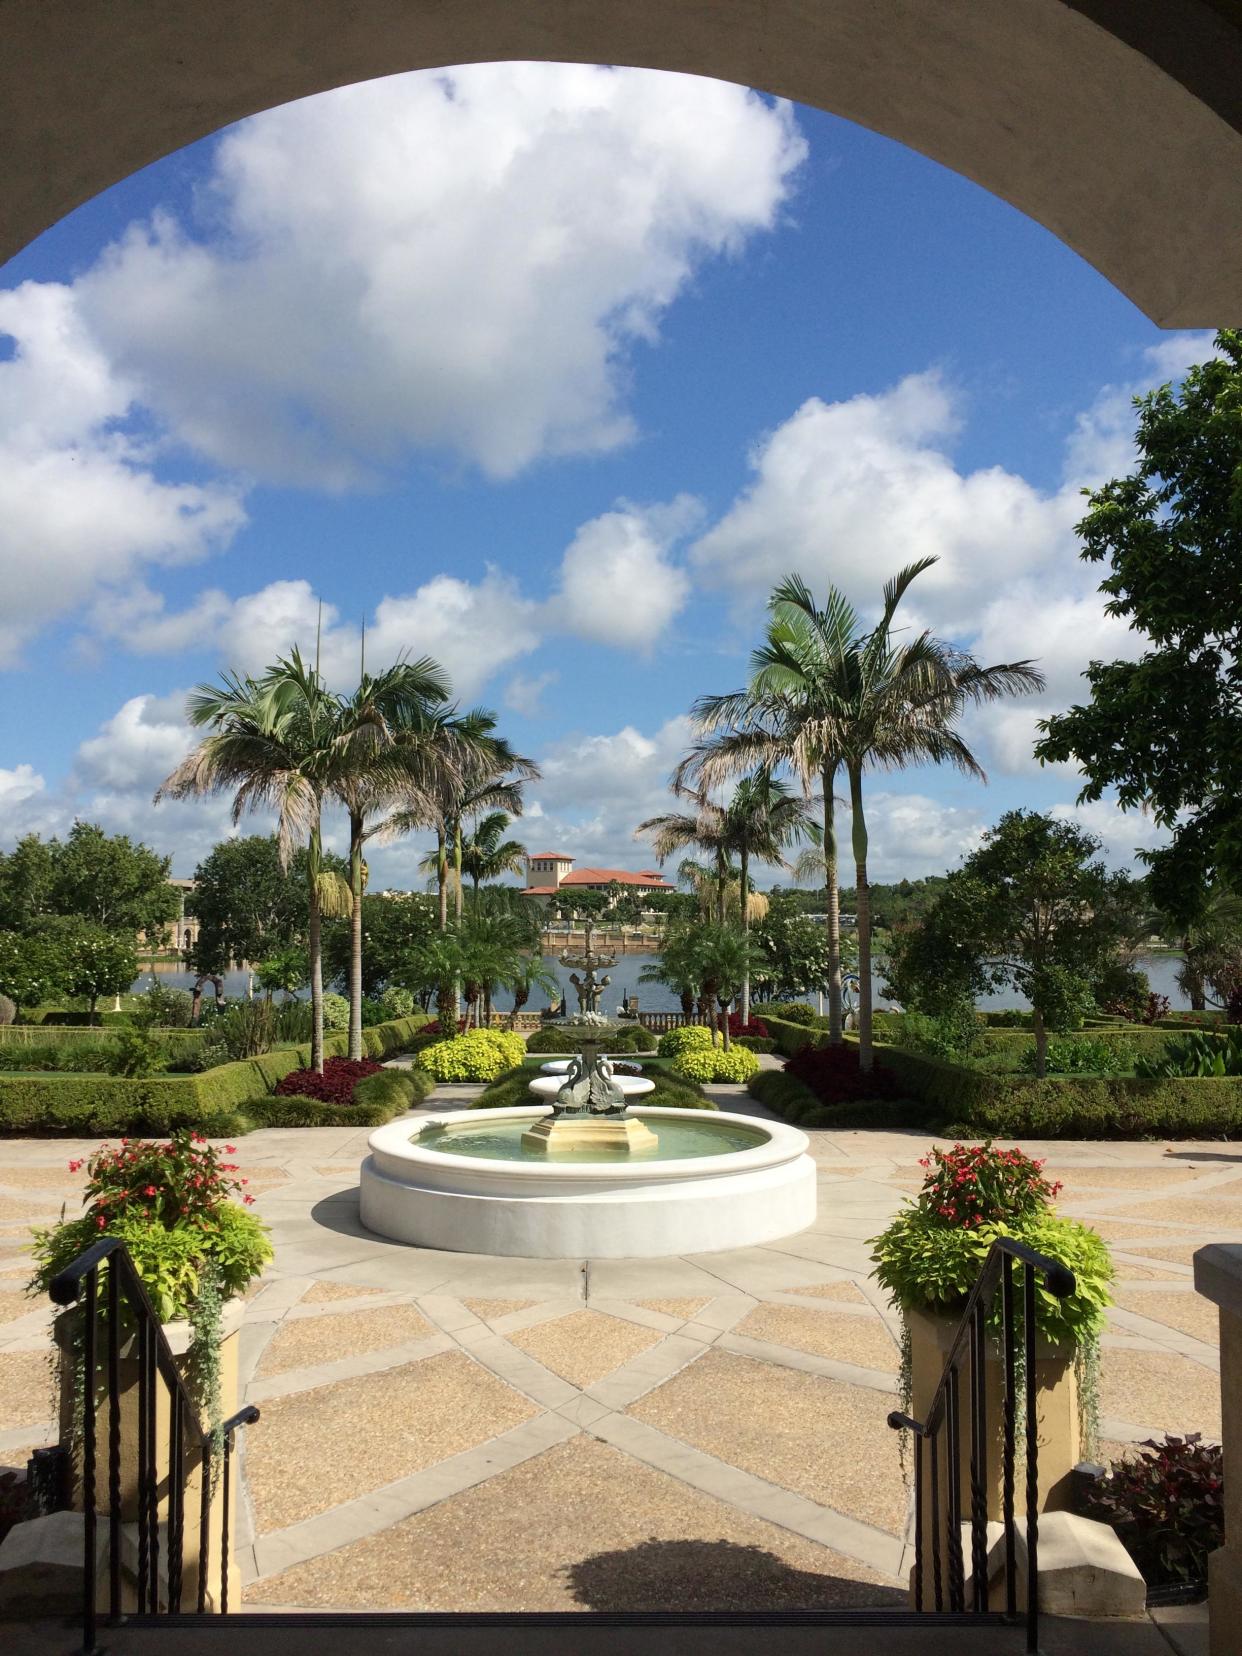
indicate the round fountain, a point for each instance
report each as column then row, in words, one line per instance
column 585, row 1172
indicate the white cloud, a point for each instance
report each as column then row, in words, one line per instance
column 618, row 584
column 138, row 746
column 1122, row 833
column 80, row 507
column 457, row 260
column 524, row 694
column 911, row 836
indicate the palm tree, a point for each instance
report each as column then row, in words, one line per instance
column 281, row 743
column 824, row 691
column 764, row 818
column 706, row 827
column 412, row 747
column 486, row 854
column 723, row 956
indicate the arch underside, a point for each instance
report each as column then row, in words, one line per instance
column 1128, row 149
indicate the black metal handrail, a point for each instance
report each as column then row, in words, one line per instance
column 187, row 1435
column 944, row 1418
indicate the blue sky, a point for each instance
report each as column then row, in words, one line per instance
column 549, row 372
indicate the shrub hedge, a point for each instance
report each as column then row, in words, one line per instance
column 556, row 1038
column 377, row 1099
column 213, row 1100
column 792, row 1101
column 671, row 1092
column 712, row 1064
column 1068, row 1106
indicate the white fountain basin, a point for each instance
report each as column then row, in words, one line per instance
column 544, row 1209
column 629, row 1086
column 560, row 1066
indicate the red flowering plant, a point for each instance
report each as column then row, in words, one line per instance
column 834, row 1076
column 977, row 1184
column 336, row 1084
column 172, row 1205
column 1167, row 1505
column 755, row 1028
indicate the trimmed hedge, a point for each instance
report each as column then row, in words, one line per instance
column 789, row 1099
column 377, row 1099
column 671, row 1092
column 791, row 1037
column 1141, row 1037
column 213, row 1100
column 1069, row 1106
column 555, row 1038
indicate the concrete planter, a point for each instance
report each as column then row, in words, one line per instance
column 1059, row 1416
column 179, row 1337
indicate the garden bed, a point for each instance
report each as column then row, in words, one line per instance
column 215, row 1101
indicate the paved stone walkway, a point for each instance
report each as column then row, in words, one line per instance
column 452, row 1431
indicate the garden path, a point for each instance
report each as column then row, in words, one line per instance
column 450, row 1431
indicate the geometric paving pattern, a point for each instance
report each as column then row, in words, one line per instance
column 449, row 1432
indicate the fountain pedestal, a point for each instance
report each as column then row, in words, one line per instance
column 577, row 1132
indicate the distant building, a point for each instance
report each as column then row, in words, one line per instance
column 181, row 932
column 550, row 874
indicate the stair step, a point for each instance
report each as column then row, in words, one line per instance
column 584, row 1635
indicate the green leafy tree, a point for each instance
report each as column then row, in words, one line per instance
column 93, row 960
column 1032, row 909
column 286, row 969
column 390, row 927
column 764, row 820
column 32, row 968
column 248, row 905
column 793, row 950
column 111, row 881
column 1166, row 730
column 26, row 875
column 279, row 743
column 828, row 694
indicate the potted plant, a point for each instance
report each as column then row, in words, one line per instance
column 930, row 1256
column 195, row 1249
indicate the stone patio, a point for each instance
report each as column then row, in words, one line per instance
column 448, row 1431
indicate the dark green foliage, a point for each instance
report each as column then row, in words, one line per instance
column 1081, row 1055
column 1197, row 1054
column 756, row 1043
column 788, row 1098
column 390, row 929
column 790, row 1012
column 247, row 905
column 794, row 950
column 554, row 1037
column 953, row 1033
column 214, row 1101
column 1103, row 1107
column 671, row 1091
column 1167, row 1506
column 103, row 879
column 377, row 1099
column 1166, row 731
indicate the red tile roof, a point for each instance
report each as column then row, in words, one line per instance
column 603, row 876
column 539, row 891
column 545, row 856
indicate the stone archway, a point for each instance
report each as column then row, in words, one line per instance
column 1117, row 124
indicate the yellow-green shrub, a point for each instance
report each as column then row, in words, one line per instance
column 689, row 1037
column 478, row 1055
column 706, row 1064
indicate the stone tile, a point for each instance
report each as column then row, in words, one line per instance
column 323, row 1293
column 1160, row 1177
column 490, row 1309
column 597, row 1531
column 1217, row 1213
column 14, row 1304
column 864, row 1341
column 312, row 1450
column 1115, row 1228
column 1187, row 1311
column 584, row 1346
column 26, row 1388
column 822, row 1438
column 303, row 1341
column 1177, row 1253
column 1159, row 1390
column 683, row 1308
column 19, row 1207
column 848, row 1291
column 1128, row 1272
column 43, row 1176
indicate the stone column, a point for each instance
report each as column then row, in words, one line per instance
column 1218, row 1276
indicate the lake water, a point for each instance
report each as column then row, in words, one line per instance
column 654, row 997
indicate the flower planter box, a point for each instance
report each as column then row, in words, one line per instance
column 179, row 1336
